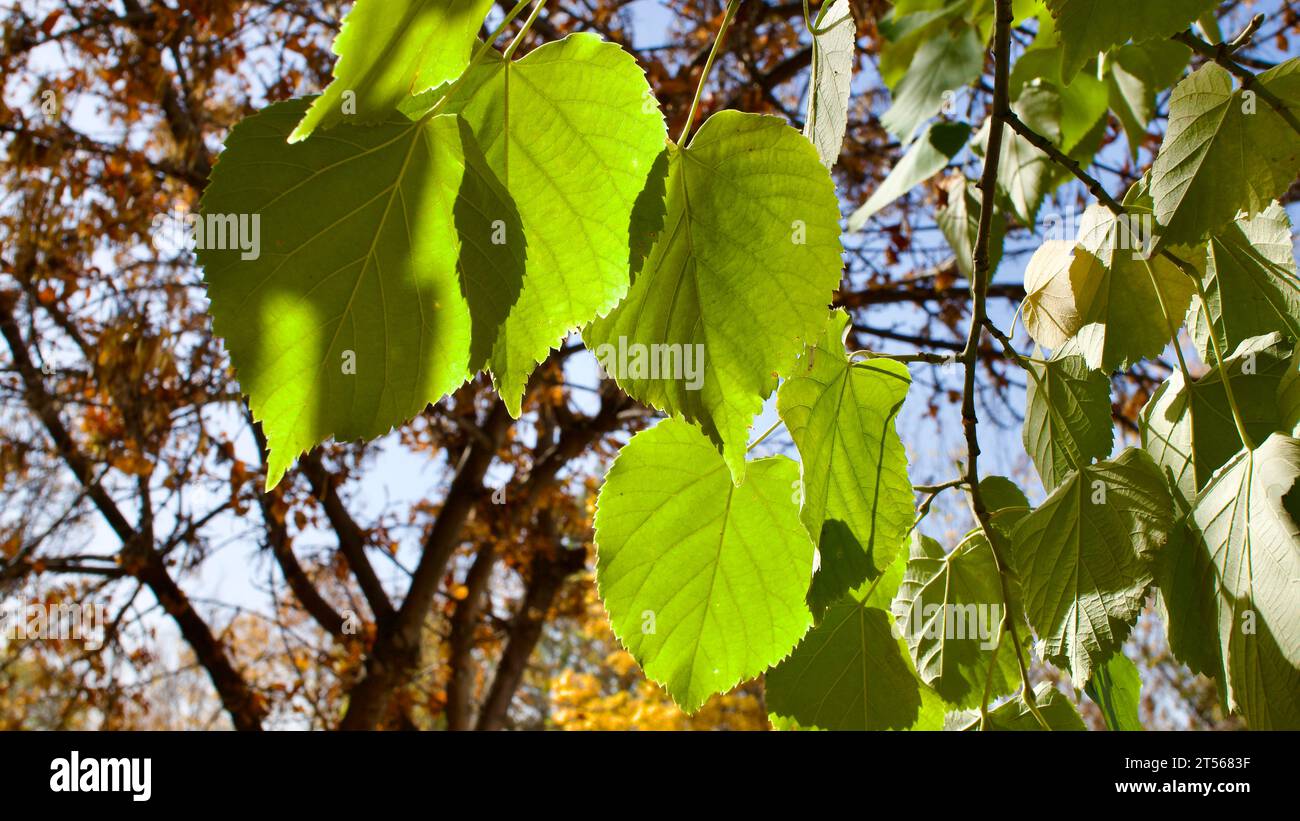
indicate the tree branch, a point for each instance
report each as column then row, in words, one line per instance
column 246, row 709
column 352, row 539
column 970, row 355
column 396, row 651
column 1222, row 54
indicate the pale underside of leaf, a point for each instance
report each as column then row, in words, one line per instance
column 1189, row 429
column 831, row 80
column 1237, row 577
column 1250, row 283
column 1222, row 154
column 1085, row 556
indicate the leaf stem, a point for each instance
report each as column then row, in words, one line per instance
column 988, row 679
column 523, row 30
column 730, row 15
column 918, row 356
column 486, row 45
column 942, row 486
column 931, row 493
column 815, row 28
column 479, row 54
column 778, row 423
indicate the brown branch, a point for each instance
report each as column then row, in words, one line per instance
column 1222, row 54
column 352, row 539
column 246, row 709
column 464, row 623
column 970, row 355
column 396, row 651
column 911, row 339
column 547, row 577
column 277, row 538
column 1013, row 291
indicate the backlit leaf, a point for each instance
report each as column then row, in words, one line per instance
column 857, row 500
column 377, row 289
column 744, row 268
column 573, row 131
column 389, row 50
column 704, row 580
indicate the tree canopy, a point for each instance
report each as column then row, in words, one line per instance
column 481, row 365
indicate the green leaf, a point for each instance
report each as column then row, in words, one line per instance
column 1085, row 556
column 1230, row 593
column 377, row 290
column 1067, row 417
column 1091, row 26
column 573, row 131
column 950, row 60
column 848, row 674
column 740, row 242
column 1082, row 102
column 1104, row 297
column 959, row 222
column 832, row 80
column 1223, row 151
column 907, row 27
column 857, row 500
column 389, row 50
column 1116, row 688
column 852, row 672
column 925, row 158
column 950, row 608
column 1189, row 430
column 1001, row 493
column 1025, row 174
column 1137, row 75
column 1054, row 707
column 1250, row 283
column 1113, row 282
column 704, row 580
column 1288, row 397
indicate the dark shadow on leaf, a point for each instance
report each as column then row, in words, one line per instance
column 648, row 214
column 390, row 257
column 844, row 566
